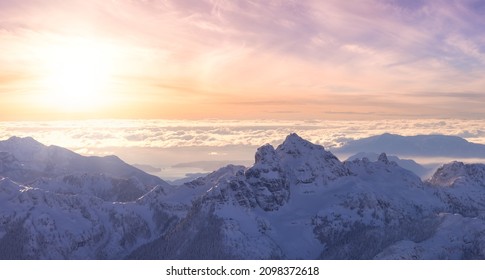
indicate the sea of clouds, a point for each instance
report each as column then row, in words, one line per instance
column 178, row 148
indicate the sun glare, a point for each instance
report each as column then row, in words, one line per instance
column 78, row 76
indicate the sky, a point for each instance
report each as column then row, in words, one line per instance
column 203, row 59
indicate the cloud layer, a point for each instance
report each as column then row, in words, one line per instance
column 183, row 147
column 85, row 135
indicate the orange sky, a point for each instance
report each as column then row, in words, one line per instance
column 241, row 59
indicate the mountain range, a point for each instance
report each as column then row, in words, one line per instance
column 297, row 201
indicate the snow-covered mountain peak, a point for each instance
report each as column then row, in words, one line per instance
column 458, row 173
column 307, row 163
column 295, row 146
column 461, row 186
column 25, row 141
column 294, row 139
column 265, row 154
column 34, row 154
column 383, row 158
column 23, row 148
column 447, row 174
column 296, row 162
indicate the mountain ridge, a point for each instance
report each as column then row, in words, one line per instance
column 297, row 201
column 18, row 153
column 408, row 164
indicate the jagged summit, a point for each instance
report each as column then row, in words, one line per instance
column 295, row 145
column 298, row 161
column 298, row 148
column 295, row 139
column 265, row 155
column 383, row 158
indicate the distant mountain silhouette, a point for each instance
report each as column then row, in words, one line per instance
column 419, row 145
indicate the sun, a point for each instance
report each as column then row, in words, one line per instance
column 78, row 75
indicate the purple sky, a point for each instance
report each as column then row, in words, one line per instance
column 242, row 59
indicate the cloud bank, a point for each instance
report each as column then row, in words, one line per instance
column 218, row 133
column 178, row 148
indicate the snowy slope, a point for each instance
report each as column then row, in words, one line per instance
column 456, row 237
column 39, row 224
column 68, row 206
column 96, row 185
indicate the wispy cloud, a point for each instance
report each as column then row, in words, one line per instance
column 212, row 52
